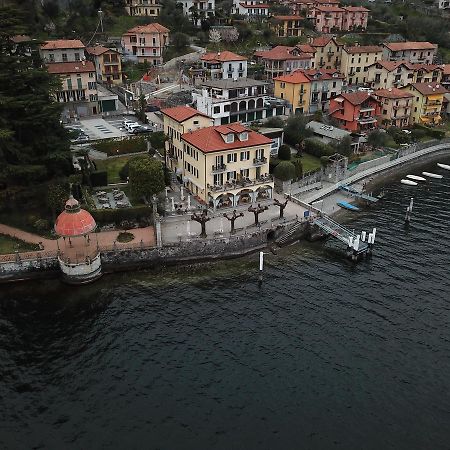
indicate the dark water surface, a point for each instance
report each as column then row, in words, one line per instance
column 324, row 354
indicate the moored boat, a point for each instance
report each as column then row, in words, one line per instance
column 416, row 178
column 408, row 182
column 431, row 175
column 348, row 206
column 443, row 166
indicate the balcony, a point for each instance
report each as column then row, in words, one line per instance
column 433, row 103
column 366, row 119
column 366, row 109
column 259, row 161
column 230, row 70
column 219, row 168
column 237, row 185
column 241, row 70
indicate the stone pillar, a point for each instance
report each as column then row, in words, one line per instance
column 158, row 232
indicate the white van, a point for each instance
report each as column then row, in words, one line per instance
column 131, row 126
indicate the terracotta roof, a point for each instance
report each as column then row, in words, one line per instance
column 182, row 113
column 288, row 17
column 295, row 77
column 392, row 93
column 210, row 139
column 62, row 43
column 428, row 88
column 71, row 67
column 329, row 8
column 282, row 52
column 306, row 48
column 446, row 69
column 396, row 46
column 20, row 38
column 356, row 8
column 364, row 49
column 321, row 41
column 222, row 57
column 149, row 28
column 355, row 98
column 74, row 221
column 323, row 74
column 99, row 50
column 259, row 5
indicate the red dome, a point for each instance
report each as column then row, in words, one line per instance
column 74, row 221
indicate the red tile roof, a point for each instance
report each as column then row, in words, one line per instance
column 259, row 5
column 62, row 43
column 74, row 221
column 329, row 8
column 323, row 74
column 20, row 38
column 355, row 98
column 446, row 69
column 321, row 41
column 364, row 49
column 428, row 88
column 295, row 77
column 392, row 93
column 99, row 50
column 71, row 67
column 222, row 57
column 410, row 45
column 182, row 113
column 282, row 52
column 210, row 139
column 393, row 65
column 306, row 48
column 288, row 17
column 356, row 8
column 150, row 28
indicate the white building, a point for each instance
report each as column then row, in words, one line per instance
column 236, row 100
column 222, row 65
column 203, row 8
column 414, row 52
column 250, row 8
column 62, row 50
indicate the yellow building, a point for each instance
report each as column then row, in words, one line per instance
column 146, row 8
column 327, row 52
column 287, row 26
column 227, row 165
column 395, row 107
column 356, row 60
column 295, row 89
column 108, row 65
column 427, row 102
column 177, row 121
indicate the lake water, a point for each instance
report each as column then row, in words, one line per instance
column 323, row 354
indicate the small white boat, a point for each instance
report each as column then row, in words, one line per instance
column 408, row 182
column 416, row 178
column 444, row 166
column 431, row 175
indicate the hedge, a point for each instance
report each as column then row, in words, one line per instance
column 121, row 147
column 99, row 179
column 436, row 134
column 105, row 216
column 317, row 148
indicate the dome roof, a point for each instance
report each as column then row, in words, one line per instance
column 74, row 221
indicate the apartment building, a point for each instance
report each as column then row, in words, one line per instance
column 308, row 91
column 232, row 100
column 78, row 87
column 146, row 8
column 177, row 121
column 282, row 60
column 396, row 107
column 427, row 104
column 446, row 76
column 356, row 112
column 62, row 50
column 414, row 52
column 223, row 65
column 305, row 6
column 327, row 19
column 356, row 60
column 251, row 9
column 327, row 52
column 287, row 26
column 227, row 165
column 386, row 74
column 107, row 63
column 146, row 43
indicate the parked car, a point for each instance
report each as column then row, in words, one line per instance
column 125, row 122
column 141, row 129
column 152, row 108
column 130, row 125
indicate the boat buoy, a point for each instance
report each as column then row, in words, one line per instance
column 408, row 182
column 416, row 178
column 431, row 175
column 443, row 166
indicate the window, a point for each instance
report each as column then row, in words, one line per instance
column 231, row 175
column 243, row 136
column 77, row 56
column 195, row 122
column 216, row 109
column 51, row 57
column 229, row 138
column 245, row 173
column 282, row 85
column 91, row 74
column 232, row 158
column 226, row 108
column 64, row 57
column 245, row 156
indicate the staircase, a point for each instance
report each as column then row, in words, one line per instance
column 287, row 237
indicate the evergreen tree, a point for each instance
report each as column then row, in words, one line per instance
column 33, row 144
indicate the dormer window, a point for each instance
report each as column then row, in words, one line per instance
column 243, row 136
column 229, row 138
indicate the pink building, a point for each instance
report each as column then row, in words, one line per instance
column 146, row 43
column 328, row 19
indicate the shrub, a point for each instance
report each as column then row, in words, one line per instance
column 99, row 178
column 106, row 216
column 436, row 134
column 284, row 171
column 317, row 148
column 284, row 152
column 120, row 147
column 298, row 167
column 157, row 139
column 125, row 236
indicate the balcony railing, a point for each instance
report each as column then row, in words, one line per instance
column 230, row 69
column 366, row 119
column 259, row 161
column 239, row 184
column 433, row 103
column 367, row 109
column 218, row 168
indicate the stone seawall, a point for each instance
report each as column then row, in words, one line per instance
column 196, row 250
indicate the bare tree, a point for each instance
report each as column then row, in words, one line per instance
column 281, row 206
column 202, row 219
column 257, row 210
column 215, row 37
column 232, row 219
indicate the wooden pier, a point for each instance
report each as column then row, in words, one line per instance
column 358, row 194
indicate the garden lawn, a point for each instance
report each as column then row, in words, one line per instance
column 112, row 166
column 310, row 163
column 9, row 244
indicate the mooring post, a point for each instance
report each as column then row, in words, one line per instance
column 261, row 265
column 409, row 211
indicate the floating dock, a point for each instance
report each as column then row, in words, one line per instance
column 358, row 194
